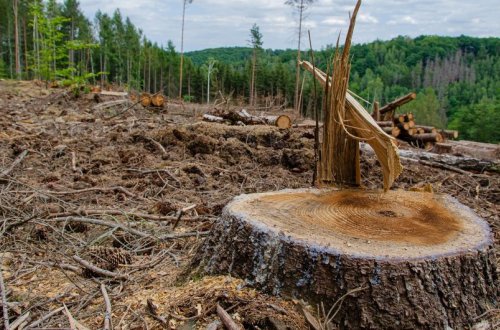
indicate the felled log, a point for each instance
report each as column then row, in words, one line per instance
column 394, row 131
column 421, row 140
column 486, row 151
column 397, row 103
column 145, row 100
column 280, row 121
column 158, row 100
column 392, row 256
column 403, row 126
column 427, row 129
column 449, row 134
column 465, row 163
column 385, row 123
column 112, row 93
column 213, row 119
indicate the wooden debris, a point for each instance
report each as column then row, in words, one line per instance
column 397, row 103
column 3, row 294
column 98, row 270
column 244, row 117
column 16, row 162
column 226, row 319
column 367, row 129
column 107, row 316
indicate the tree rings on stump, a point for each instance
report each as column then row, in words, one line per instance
column 418, row 260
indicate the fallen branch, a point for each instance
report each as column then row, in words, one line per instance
column 181, row 213
column 104, row 223
column 107, row 315
column 158, row 145
column 110, row 104
column 153, row 312
column 5, row 307
column 44, row 318
column 20, row 320
column 74, row 324
column 226, row 319
column 103, row 189
column 168, row 237
column 84, row 212
column 98, row 270
column 14, row 164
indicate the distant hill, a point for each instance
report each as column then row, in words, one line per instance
column 457, row 79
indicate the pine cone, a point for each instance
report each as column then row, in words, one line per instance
column 107, row 258
column 41, row 232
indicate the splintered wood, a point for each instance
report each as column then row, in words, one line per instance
column 347, row 123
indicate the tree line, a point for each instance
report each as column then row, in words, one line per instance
column 457, row 79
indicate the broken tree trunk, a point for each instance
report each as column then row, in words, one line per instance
column 365, row 127
column 427, row 263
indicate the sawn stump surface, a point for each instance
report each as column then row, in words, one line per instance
column 420, row 259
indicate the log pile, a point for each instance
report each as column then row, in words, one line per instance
column 404, row 127
column 156, row 100
column 242, row 117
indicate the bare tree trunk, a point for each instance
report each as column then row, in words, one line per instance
column 297, row 68
column 16, row 40
column 26, row 66
column 182, row 48
column 71, row 51
column 252, row 82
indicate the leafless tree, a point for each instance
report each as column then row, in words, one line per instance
column 184, row 3
column 300, row 6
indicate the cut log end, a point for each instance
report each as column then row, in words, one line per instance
column 158, row 100
column 408, row 249
column 283, row 122
column 145, row 100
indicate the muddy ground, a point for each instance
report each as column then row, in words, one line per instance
column 87, row 170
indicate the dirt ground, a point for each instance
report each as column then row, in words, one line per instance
column 135, row 193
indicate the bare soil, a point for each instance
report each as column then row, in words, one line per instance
column 141, row 168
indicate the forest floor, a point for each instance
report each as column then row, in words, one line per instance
column 135, row 194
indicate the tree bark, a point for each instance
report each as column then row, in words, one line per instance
column 17, row 51
column 429, row 263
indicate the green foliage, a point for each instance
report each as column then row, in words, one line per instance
column 426, row 109
column 478, row 122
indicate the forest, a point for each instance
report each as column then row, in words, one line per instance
column 457, row 79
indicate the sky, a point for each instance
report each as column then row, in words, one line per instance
column 227, row 23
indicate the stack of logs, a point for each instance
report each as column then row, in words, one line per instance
column 156, row 100
column 404, row 127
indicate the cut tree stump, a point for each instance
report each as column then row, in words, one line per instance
column 419, row 260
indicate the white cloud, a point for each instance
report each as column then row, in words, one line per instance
column 367, row 18
column 335, row 21
column 215, row 23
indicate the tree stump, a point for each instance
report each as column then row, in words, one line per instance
column 419, row 260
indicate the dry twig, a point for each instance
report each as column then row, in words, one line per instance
column 98, row 270
column 226, row 319
column 14, row 164
column 107, row 315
